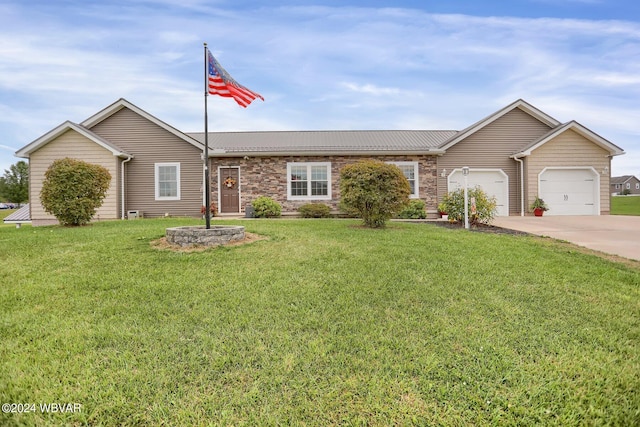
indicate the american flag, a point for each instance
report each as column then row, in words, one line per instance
column 221, row 83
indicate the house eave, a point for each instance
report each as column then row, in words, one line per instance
column 123, row 103
column 593, row 137
column 520, row 103
column 26, row 151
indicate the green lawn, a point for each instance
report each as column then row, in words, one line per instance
column 625, row 205
column 5, row 213
column 324, row 323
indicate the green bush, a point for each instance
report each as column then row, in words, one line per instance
column 486, row 207
column 374, row 191
column 266, row 207
column 415, row 210
column 314, row 210
column 73, row 190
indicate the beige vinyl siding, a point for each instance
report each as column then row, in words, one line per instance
column 490, row 148
column 151, row 144
column 71, row 144
column 569, row 149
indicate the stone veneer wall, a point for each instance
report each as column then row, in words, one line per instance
column 267, row 176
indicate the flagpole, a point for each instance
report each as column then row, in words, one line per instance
column 207, row 185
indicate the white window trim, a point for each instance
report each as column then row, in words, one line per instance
column 156, row 181
column 628, row 186
column 637, row 186
column 308, row 166
column 416, row 194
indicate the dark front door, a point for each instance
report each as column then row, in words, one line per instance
column 229, row 187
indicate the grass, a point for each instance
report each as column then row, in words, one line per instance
column 625, row 205
column 324, row 323
column 5, row 213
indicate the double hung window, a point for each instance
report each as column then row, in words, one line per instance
column 410, row 171
column 309, row 181
column 167, row 181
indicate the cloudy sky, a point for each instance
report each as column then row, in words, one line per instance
column 323, row 64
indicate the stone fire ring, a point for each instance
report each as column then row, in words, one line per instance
column 201, row 236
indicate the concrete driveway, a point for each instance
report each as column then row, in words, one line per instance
column 612, row 234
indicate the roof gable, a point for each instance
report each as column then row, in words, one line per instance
column 591, row 136
column 521, row 104
column 35, row 145
column 123, row 103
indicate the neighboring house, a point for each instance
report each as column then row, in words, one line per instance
column 514, row 154
column 627, row 182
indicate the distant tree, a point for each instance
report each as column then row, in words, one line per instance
column 374, row 191
column 14, row 185
column 73, row 190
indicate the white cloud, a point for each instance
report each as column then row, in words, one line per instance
column 318, row 67
column 371, row 89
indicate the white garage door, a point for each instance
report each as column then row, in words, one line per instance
column 494, row 182
column 570, row 191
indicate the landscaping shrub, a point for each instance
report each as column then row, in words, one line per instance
column 374, row 191
column 486, row 207
column 314, row 210
column 73, row 190
column 415, row 210
column 266, row 207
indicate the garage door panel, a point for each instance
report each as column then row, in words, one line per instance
column 492, row 182
column 569, row 191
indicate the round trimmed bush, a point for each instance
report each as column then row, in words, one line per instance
column 73, row 190
column 266, row 207
column 374, row 191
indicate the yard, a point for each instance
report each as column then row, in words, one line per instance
column 323, row 323
column 625, row 205
column 5, row 213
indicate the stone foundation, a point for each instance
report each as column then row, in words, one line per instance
column 200, row 236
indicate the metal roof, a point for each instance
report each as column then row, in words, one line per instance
column 21, row 215
column 325, row 141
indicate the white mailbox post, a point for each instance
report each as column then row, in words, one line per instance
column 465, row 172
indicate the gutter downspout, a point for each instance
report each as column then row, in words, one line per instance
column 122, row 184
column 521, row 184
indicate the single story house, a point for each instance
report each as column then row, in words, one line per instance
column 515, row 154
column 620, row 184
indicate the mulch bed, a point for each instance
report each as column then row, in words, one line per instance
column 481, row 228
